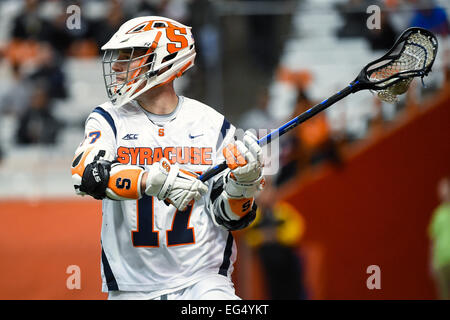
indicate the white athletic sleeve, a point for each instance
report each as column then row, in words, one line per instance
column 99, row 141
column 98, row 133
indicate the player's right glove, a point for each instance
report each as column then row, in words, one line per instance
column 177, row 186
column 233, row 195
column 244, row 158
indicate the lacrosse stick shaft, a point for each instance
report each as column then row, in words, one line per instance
column 353, row 87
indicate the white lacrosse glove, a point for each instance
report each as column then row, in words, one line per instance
column 178, row 186
column 244, row 158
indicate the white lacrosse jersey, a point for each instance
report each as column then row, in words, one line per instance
column 146, row 244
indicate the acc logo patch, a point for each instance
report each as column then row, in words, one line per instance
column 130, row 136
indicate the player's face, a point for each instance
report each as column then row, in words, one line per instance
column 130, row 61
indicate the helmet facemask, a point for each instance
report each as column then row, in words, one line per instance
column 133, row 74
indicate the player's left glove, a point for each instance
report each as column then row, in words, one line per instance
column 90, row 171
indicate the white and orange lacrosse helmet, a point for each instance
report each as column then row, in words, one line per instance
column 169, row 52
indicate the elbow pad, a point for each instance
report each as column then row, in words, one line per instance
column 232, row 212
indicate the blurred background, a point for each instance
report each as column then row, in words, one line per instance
column 365, row 183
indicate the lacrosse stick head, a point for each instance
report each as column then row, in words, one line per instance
column 412, row 55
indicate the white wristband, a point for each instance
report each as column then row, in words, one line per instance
column 236, row 189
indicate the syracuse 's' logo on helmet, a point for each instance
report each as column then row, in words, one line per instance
column 152, row 24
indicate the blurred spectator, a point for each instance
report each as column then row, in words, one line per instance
column 22, row 53
column 353, row 13
column 276, row 235
column 400, row 13
column 28, row 25
column 290, row 159
column 314, row 136
column 85, row 29
column 258, row 117
column 203, row 21
column 82, row 39
column 430, row 16
column 48, row 72
column 37, row 125
column 58, row 30
column 58, row 34
column 141, row 8
column 262, row 40
column 260, row 120
column 43, row 68
column 289, row 82
column 14, row 98
column 439, row 233
column 103, row 29
column 383, row 38
column 174, row 9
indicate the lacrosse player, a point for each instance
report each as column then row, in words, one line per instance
column 165, row 234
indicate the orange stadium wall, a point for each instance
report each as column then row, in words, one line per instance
column 40, row 241
column 375, row 211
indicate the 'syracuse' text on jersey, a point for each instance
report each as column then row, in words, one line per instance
column 146, row 244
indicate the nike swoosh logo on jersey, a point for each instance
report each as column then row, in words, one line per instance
column 130, row 136
column 193, row 137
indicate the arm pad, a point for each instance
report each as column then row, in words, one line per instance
column 95, row 173
column 124, row 182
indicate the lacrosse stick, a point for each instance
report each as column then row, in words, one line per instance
column 412, row 55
